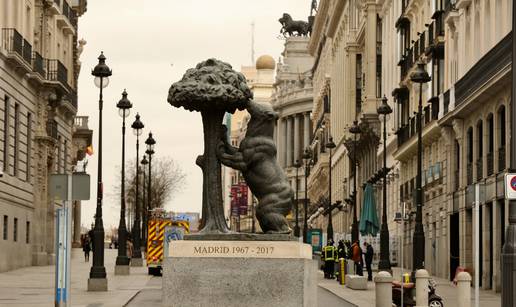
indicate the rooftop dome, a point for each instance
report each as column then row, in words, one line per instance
column 265, row 62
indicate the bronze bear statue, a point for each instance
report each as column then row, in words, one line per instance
column 256, row 159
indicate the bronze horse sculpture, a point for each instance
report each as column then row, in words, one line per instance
column 293, row 27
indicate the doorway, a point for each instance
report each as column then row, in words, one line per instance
column 454, row 244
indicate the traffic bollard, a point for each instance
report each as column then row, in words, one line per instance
column 422, row 288
column 342, row 271
column 464, row 289
column 383, row 289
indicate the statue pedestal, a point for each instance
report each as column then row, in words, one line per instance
column 239, row 273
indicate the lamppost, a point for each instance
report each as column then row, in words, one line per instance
column 307, row 156
column 97, row 280
column 509, row 248
column 297, row 165
column 145, row 209
column 355, row 130
column 150, row 142
column 418, row 251
column 384, row 264
column 122, row 261
column 329, row 230
column 136, row 259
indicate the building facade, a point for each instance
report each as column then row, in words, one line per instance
column 292, row 99
column 38, row 102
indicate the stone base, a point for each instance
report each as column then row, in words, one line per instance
column 136, row 262
column 97, row 284
column 239, row 273
column 122, row 270
column 240, row 236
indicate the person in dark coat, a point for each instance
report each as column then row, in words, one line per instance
column 86, row 248
column 341, row 250
column 369, row 260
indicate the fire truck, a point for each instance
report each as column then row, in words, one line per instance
column 162, row 228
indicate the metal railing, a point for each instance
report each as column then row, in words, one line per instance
column 27, row 51
column 81, row 122
column 38, row 64
column 52, row 128
column 469, row 172
column 56, row 71
column 480, row 169
column 490, row 164
column 501, row 158
column 12, row 41
column 409, row 130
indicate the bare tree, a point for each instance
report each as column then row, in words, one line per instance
column 167, row 180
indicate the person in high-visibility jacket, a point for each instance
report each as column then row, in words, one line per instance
column 329, row 255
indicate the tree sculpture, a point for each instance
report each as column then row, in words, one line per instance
column 212, row 88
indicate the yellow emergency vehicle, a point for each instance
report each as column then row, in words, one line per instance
column 159, row 226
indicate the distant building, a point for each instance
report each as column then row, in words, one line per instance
column 39, row 65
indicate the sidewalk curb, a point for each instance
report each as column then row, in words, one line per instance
column 336, row 294
column 131, row 298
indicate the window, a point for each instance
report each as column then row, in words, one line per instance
column 27, row 233
column 15, row 230
column 378, row 57
column 65, row 158
column 6, row 133
column 6, row 227
column 29, row 145
column 16, row 138
column 358, row 85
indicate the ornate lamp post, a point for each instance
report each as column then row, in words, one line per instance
column 329, row 230
column 145, row 207
column 384, row 264
column 355, row 130
column 97, row 280
column 150, row 142
column 122, row 261
column 419, row 76
column 509, row 248
column 297, row 165
column 307, row 156
column 136, row 259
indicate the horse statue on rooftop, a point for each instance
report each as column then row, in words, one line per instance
column 293, row 27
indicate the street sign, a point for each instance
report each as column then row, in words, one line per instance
column 80, row 188
column 510, row 186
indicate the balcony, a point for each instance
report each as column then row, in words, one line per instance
column 67, row 20
column 407, row 131
column 52, row 128
column 57, row 74
column 480, row 170
column 469, row 173
column 501, row 159
column 490, row 163
column 19, row 50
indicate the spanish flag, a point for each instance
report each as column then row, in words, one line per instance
column 89, row 150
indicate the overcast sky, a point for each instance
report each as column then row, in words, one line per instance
column 149, row 45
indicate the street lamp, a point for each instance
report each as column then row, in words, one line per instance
column 384, row 264
column 297, row 165
column 122, row 261
column 97, row 280
column 355, row 130
column 307, row 156
column 145, row 209
column 136, row 259
column 329, row 231
column 419, row 75
column 150, row 142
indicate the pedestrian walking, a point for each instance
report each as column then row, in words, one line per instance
column 357, row 258
column 369, row 260
column 86, row 248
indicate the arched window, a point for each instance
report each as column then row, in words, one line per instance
column 501, row 138
column 490, row 144
column 480, row 151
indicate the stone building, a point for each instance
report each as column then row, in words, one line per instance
column 260, row 79
column 38, row 102
column 292, row 99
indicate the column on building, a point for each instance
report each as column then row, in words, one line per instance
column 306, row 129
column 281, row 141
column 297, row 150
column 77, row 224
column 289, row 141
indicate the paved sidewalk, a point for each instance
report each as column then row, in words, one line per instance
column 445, row 289
column 34, row 286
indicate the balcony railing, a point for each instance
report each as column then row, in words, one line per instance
column 70, row 14
column 490, row 164
column 407, row 131
column 38, row 64
column 12, row 41
column 469, row 172
column 52, row 128
column 501, row 158
column 56, row 71
column 27, row 51
column 480, row 170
